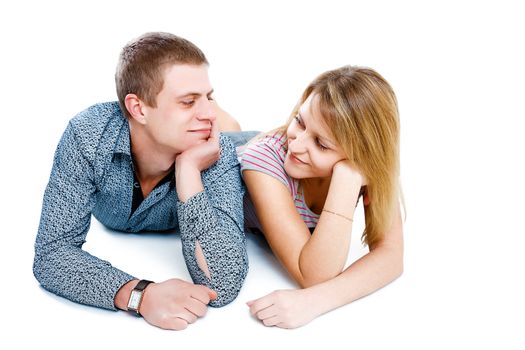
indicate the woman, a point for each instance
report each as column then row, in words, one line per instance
column 304, row 181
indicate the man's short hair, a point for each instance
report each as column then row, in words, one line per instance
column 143, row 61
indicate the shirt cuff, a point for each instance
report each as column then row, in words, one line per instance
column 195, row 216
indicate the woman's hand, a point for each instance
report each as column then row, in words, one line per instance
column 289, row 308
column 348, row 171
column 344, row 170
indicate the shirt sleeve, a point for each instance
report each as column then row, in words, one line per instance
column 267, row 156
column 215, row 219
column 60, row 264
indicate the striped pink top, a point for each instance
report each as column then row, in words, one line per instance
column 267, row 156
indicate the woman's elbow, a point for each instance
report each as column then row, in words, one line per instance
column 309, row 279
column 401, row 266
column 398, row 266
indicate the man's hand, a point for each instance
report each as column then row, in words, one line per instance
column 173, row 304
column 190, row 163
column 202, row 155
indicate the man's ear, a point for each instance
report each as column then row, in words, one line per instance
column 134, row 107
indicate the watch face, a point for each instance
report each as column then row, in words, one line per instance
column 134, row 300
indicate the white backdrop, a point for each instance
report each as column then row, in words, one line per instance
column 457, row 69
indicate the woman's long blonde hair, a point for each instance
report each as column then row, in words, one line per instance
column 360, row 109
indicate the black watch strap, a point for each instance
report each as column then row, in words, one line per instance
column 142, row 285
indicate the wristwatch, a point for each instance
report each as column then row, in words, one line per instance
column 135, row 298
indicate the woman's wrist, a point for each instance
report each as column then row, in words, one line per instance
column 315, row 301
column 345, row 186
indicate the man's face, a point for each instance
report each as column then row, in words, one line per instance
column 184, row 111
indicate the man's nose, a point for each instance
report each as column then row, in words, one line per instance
column 207, row 110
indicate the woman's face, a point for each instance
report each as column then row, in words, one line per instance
column 312, row 150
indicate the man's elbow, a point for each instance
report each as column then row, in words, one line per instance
column 40, row 270
column 224, row 298
column 227, row 293
column 229, row 287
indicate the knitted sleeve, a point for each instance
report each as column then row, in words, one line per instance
column 214, row 218
column 60, row 264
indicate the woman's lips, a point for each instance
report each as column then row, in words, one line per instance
column 295, row 159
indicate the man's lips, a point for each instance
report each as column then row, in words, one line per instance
column 204, row 130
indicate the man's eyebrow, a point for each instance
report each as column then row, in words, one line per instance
column 194, row 94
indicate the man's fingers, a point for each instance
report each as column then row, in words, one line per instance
column 214, row 134
column 186, row 315
column 203, row 294
column 196, row 307
column 174, row 323
column 212, row 294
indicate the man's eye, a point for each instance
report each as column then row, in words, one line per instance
column 188, row 103
column 210, row 98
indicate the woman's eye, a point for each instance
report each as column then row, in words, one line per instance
column 321, row 146
column 298, row 120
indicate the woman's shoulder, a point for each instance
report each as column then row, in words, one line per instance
column 266, row 154
column 272, row 144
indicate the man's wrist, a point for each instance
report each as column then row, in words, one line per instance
column 136, row 296
column 122, row 296
column 189, row 182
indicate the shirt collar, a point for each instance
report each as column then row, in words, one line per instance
column 122, row 144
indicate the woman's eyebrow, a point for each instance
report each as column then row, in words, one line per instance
column 323, row 138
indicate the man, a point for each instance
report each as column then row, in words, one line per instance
column 153, row 161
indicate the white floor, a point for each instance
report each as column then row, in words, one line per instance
column 440, row 301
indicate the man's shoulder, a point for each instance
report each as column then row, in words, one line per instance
column 97, row 116
column 101, row 122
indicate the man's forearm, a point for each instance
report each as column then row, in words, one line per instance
column 222, row 243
